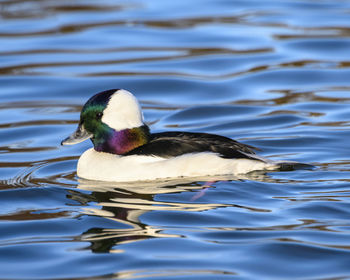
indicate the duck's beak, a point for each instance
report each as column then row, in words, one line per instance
column 78, row 136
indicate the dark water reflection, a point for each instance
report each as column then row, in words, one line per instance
column 273, row 74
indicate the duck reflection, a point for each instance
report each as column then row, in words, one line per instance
column 125, row 204
column 129, row 227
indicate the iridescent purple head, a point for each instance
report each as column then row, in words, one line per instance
column 113, row 121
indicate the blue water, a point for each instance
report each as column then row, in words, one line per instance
column 273, row 74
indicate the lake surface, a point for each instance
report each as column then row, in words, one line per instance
column 272, row 74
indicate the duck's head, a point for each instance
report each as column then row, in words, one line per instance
column 113, row 120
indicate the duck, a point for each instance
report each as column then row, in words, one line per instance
column 125, row 150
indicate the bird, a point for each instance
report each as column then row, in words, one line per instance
column 125, row 150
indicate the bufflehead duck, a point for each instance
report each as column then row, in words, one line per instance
column 125, row 150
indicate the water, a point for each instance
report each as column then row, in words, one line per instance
column 273, row 74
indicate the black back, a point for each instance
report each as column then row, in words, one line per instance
column 172, row 144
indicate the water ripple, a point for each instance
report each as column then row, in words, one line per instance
column 272, row 74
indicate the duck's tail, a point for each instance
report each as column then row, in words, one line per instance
column 293, row 165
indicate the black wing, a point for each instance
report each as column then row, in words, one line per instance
column 171, row 144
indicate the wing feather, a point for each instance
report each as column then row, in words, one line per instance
column 171, row 144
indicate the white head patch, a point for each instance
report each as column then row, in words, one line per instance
column 123, row 111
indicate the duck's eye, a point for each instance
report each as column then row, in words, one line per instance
column 99, row 115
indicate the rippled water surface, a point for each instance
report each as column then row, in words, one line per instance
column 273, row 74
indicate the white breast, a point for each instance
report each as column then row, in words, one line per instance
column 114, row 168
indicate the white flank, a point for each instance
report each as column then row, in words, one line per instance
column 114, row 168
column 123, row 111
